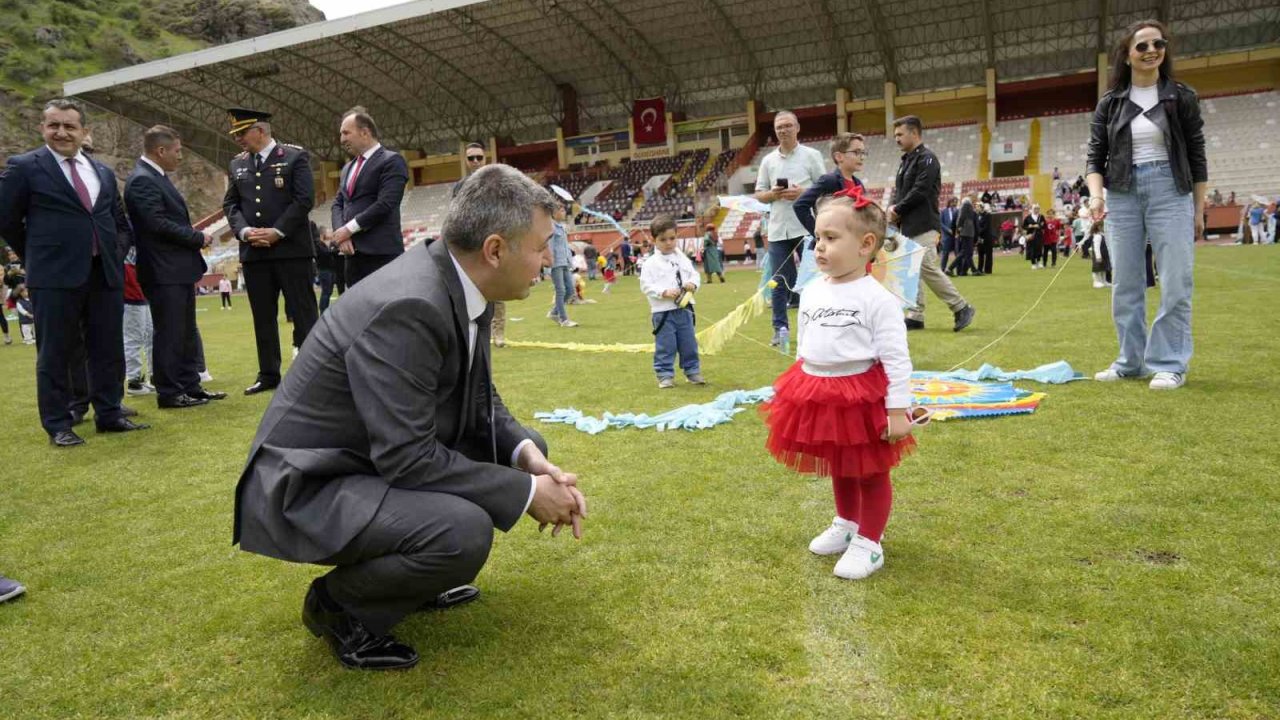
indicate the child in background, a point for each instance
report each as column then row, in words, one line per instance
column 1095, row 245
column 669, row 279
column 610, row 275
column 26, row 315
column 843, row 409
column 224, row 287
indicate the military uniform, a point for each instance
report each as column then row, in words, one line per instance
column 273, row 192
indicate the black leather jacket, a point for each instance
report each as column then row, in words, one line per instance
column 1177, row 114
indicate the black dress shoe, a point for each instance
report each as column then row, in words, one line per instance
column 964, row 317
column 65, row 438
column 258, row 387
column 914, row 324
column 179, row 401
column 354, row 645
column 77, row 417
column 202, row 394
column 120, row 425
column 126, row 411
column 460, row 595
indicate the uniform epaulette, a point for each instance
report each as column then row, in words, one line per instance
column 291, row 145
column 242, row 156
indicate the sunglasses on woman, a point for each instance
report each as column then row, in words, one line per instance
column 1157, row 44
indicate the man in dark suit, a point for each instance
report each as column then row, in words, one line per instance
column 169, row 264
column 61, row 212
column 268, row 197
column 366, row 212
column 387, row 452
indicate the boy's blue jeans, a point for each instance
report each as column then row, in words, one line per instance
column 676, row 335
column 1153, row 210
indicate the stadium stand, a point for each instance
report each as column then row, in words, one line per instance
column 1241, row 144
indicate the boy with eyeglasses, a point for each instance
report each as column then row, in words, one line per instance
column 849, row 151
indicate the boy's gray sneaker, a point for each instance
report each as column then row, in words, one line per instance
column 10, row 589
column 697, row 379
column 665, row 383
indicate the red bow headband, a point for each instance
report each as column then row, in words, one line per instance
column 854, row 191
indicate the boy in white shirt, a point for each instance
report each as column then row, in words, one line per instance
column 669, row 280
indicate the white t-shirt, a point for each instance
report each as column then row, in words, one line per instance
column 855, row 324
column 801, row 168
column 666, row 272
column 1148, row 138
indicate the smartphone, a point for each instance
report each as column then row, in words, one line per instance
column 782, row 183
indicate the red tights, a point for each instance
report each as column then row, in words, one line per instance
column 866, row 501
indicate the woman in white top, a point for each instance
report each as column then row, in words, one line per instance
column 1147, row 148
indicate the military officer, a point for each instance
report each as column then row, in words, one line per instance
column 270, row 192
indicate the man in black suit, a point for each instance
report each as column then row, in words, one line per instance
column 169, row 264
column 387, row 452
column 268, row 197
column 61, row 212
column 366, row 212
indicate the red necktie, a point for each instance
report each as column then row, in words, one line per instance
column 83, row 191
column 351, row 181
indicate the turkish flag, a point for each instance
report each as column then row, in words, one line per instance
column 649, row 117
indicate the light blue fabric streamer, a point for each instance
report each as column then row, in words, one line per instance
column 1054, row 373
column 690, row 417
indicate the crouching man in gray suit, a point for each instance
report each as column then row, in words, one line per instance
column 387, row 453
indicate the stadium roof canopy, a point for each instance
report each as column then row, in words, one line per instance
column 436, row 71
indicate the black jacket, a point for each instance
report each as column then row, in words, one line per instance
column 168, row 246
column 1177, row 114
column 915, row 192
column 967, row 222
column 279, row 196
column 375, row 203
column 828, row 184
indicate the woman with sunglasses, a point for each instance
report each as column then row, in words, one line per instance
column 1147, row 149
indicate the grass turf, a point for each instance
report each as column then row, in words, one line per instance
column 1112, row 555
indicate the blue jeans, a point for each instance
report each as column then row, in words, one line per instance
column 562, row 276
column 782, row 261
column 945, row 250
column 675, row 336
column 1153, row 210
column 326, row 288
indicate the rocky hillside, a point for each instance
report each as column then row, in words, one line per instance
column 42, row 44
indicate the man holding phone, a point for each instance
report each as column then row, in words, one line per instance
column 784, row 175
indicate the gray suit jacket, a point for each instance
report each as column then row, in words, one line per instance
column 380, row 397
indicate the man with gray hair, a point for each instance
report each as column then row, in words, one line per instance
column 387, row 453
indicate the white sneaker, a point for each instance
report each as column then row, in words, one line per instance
column 1168, row 381
column 835, row 539
column 206, row 377
column 1110, row 375
column 861, row 559
column 568, row 323
column 295, row 352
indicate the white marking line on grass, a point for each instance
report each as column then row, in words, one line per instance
column 1240, row 273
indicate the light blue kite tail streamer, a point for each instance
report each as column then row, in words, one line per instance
column 1055, row 373
column 689, row 417
column 609, row 219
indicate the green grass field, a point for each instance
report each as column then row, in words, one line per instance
column 1112, row 556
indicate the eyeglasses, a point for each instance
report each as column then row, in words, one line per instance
column 475, row 158
column 1157, row 44
column 859, row 153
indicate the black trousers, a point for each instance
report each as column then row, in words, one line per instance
column 265, row 281
column 1035, row 246
column 62, row 315
column 173, row 313
column 986, row 256
column 226, row 300
column 963, row 264
column 360, row 266
column 418, row 545
column 1050, row 249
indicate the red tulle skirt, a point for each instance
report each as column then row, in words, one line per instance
column 832, row 426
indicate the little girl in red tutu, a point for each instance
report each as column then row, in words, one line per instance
column 842, row 410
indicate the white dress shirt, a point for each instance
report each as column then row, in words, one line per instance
column 661, row 273
column 353, row 227
column 88, row 173
column 154, row 166
column 476, row 303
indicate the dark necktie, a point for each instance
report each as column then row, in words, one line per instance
column 257, row 162
column 351, row 181
column 482, row 372
column 83, row 191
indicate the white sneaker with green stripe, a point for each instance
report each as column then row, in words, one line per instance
column 861, row 559
column 835, row 539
